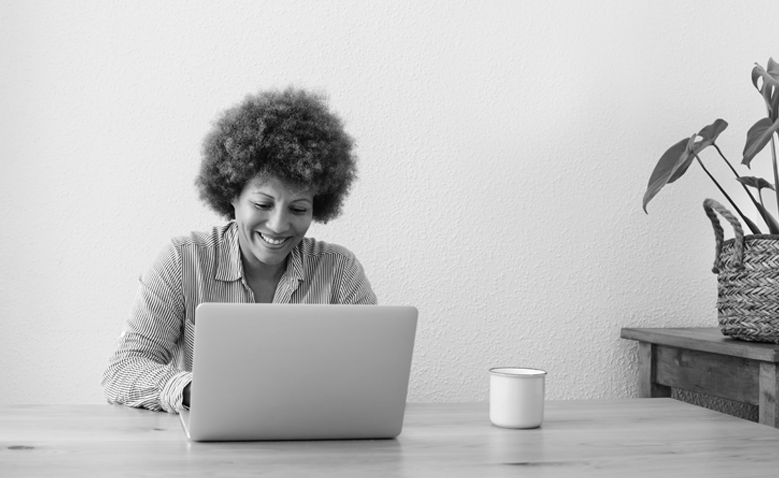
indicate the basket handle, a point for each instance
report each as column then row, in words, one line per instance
column 710, row 206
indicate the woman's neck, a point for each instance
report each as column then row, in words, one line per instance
column 263, row 272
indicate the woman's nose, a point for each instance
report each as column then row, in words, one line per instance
column 278, row 221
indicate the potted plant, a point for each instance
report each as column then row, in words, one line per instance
column 747, row 266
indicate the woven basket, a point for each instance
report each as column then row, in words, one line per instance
column 747, row 269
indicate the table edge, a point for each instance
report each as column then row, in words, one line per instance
column 682, row 337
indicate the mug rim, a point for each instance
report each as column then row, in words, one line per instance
column 514, row 372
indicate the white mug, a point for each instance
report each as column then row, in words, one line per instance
column 516, row 397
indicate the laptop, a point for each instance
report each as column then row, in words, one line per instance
column 299, row 371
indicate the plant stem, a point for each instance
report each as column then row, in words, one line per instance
column 773, row 156
column 726, row 194
column 737, row 175
column 776, row 174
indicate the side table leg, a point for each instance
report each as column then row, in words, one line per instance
column 647, row 388
column 769, row 389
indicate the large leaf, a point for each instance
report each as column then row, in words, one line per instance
column 757, row 137
column 773, row 68
column 685, row 160
column 769, row 88
column 754, row 182
column 708, row 135
column 665, row 168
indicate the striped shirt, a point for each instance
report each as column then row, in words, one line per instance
column 153, row 362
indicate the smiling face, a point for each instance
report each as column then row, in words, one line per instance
column 272, row 219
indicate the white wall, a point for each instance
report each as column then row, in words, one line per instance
column 505, row 148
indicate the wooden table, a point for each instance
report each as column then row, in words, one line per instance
column 703, row 360
column 581, row 438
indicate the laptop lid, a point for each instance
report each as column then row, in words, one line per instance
column 299, row 371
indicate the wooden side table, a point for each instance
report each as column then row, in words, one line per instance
column 703, row 360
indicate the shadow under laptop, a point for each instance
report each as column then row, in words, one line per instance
column 325, row 457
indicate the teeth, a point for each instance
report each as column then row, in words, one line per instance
column 275, row 242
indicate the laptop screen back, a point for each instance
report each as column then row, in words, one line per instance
column 300, row 371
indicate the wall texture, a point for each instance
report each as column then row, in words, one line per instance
column 505, row 148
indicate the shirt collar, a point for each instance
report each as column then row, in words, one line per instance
column 295, row 262
column 228, row 256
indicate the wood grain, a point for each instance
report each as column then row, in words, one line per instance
column 648, row 386
column 721, row 376
column 769, row 394
column 702, row 360
column 704, row 339
column 582, row 438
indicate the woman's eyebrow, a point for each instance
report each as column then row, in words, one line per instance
column 260, row 193
column 269, row 196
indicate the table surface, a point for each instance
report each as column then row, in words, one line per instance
column 604, row 438
column 704, row 339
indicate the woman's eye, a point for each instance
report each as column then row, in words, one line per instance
column 263, row 206
column 297, row 210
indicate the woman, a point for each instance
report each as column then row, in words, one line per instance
column 271, row 165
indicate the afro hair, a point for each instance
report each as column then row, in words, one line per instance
column 290, row 135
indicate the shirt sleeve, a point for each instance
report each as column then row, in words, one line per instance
column 140, row 373
column 355, row 287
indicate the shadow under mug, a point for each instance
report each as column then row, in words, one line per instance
column 517, row 397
